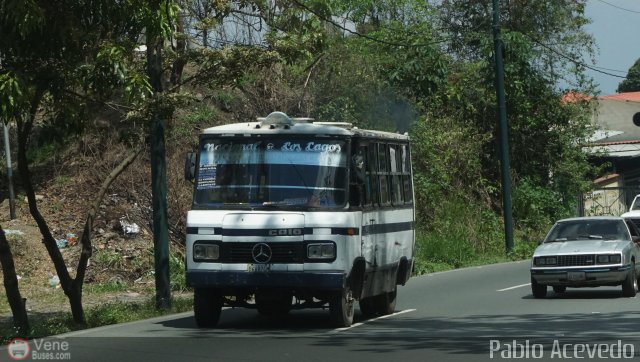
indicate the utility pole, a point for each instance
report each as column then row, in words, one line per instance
column 155, row 42
column 7, row 154
column 503, row 126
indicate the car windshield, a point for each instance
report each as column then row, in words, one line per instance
column 588, row 229
column 297, row 171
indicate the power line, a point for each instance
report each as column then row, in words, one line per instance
column 618, row 7
column 576, row 62
column 365, row 36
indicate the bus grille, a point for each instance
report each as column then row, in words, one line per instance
column 281, row 252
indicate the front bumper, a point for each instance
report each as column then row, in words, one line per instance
column 595, row 276
column 253, row 280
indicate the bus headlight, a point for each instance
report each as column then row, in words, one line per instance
column 321, row 251
column 206, row 252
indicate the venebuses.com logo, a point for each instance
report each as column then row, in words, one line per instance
column 20, row 349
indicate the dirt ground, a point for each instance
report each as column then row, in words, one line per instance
column 121, row 267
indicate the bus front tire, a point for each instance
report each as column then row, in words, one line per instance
column 341, row 308
column 207, row 305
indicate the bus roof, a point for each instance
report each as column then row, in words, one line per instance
column 281, row 124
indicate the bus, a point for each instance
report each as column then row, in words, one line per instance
column 290, row 213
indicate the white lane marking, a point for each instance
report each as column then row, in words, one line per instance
column 371, row 320
column 514, row 287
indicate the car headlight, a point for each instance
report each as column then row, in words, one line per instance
column 206, row 252
column 545, row 261
column 321, row 251
column 609, row 259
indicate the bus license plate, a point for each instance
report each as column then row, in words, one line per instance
column 576, row 276
column 258, row 267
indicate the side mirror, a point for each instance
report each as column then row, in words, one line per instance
column 636, row 239
column 190, row 166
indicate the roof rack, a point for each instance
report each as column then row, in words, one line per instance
column 275, row 119
column 345, row 125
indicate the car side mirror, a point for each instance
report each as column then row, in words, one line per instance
column 636, row 239
column 190, row 166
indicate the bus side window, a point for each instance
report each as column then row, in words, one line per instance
column 406, row 173
column 357, row 190
column 395, row 175
column 383, row 172
column 372, row 175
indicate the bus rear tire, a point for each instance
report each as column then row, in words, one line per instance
column 367, row 307
column 341, row 308
column 385, row 303
column 207, row 305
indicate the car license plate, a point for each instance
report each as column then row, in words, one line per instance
column 258, row 267
column 576, row 276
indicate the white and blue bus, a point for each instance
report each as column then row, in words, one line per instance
column 289, row 213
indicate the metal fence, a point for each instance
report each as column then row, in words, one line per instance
column 607, row 201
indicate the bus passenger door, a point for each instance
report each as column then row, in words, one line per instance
column 368, row 241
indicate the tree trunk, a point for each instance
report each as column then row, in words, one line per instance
column 75, row 298
column 18, row 309
column 181, row 60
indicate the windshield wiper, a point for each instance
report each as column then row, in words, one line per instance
column 590, row 236
column 556, row 240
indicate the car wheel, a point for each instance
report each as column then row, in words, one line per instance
column 207, row 305
column 341, row 307
column 538, row 290
column 630, row 283
column 559, row 289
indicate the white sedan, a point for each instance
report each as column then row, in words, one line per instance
column 587, row 252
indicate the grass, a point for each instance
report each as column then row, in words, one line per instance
column 439, row 252
column 49, row 324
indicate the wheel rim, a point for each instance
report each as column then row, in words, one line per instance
column 349, row 303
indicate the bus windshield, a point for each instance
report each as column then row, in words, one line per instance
column 271, row 172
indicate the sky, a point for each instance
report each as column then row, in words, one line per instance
column 616, row 28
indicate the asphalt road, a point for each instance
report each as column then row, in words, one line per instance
column 476, row 314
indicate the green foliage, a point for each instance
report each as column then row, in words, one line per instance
column 460, row 233
column 177, row 273
column 447, row 163
column 191, row 121
column 537, row 207
column 47, row 152
column 108, row 259
column 58, row 323
column 12, row 94
column 632, row 82
column 104, row 288
column 523, row 249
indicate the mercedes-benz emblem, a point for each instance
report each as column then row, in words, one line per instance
column 261, row 253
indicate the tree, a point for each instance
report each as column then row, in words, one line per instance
column 632, row 82
column 53, row 58
column 10, row 279
column 541, row 46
